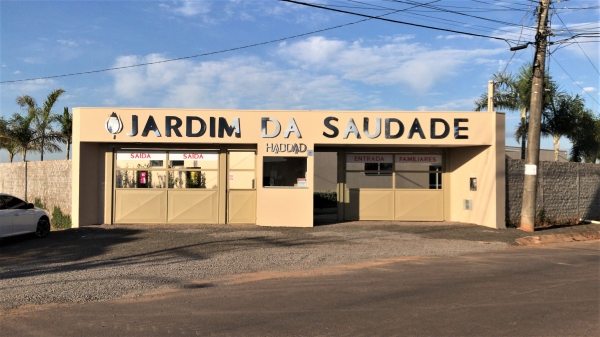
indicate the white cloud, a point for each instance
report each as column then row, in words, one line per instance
column 453, row 37
column 69, row 43
column 188, row 8
column 239, row 82
column 391, row 63
column 3, row 65
column 33, row 60
column 312, row 73
column 462, row 104
column 30, row 87
column 17, row 72
column 589, row 89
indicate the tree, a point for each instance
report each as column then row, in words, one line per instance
column 6, row 142
column 559, row 117
column 42, row 120
column 585, row 138
column 18, row 131
column 65, row 121
column 513, row 92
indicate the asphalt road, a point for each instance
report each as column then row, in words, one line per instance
column 542, row 291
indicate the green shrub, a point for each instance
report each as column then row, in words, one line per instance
column 60, row 220
column 325, row 199
column 38, row 203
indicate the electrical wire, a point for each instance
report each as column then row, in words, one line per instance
column 561, row 67
column 401, row 22
column 567, row 28
column 440, row 20
column 520, row 34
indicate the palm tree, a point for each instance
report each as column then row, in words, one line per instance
column 19, row 132
column 42, row 119
column 6, row 142
column 559, row 117
column 65, row 121
column 585, row 137
column 512, row 93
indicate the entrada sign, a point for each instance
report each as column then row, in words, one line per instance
column 390, row 128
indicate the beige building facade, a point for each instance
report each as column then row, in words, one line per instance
column 175, row 166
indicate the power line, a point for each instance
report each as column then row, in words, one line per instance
column 397, row 21
column 437, row 19
column 460, row 13
column 567, row 28
column 561, row 67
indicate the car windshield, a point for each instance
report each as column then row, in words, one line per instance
column 14, row 202
column 2, row 203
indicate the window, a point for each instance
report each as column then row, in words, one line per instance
column 284, row 171
column 185, row 170
column 379, row 169
column 14, row 203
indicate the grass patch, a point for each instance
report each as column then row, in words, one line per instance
column 60, row 220
column 37, row 202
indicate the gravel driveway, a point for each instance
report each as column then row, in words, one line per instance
column 106, row 262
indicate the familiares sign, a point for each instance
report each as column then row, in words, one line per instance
column 219, row 127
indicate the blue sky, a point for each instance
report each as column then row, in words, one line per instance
column 372, row 65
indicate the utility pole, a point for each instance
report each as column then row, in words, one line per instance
column 535, row 117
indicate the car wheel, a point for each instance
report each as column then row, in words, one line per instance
column 43, row 228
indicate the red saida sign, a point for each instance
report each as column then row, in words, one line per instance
column 140, row 155
column 192, row 155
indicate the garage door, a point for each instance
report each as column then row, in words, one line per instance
column 166, row 187
column 394, row 186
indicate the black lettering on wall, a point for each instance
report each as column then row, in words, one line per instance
column 189, row 129
column 388, row 122
column 213, row 122
column 169, row 125
column 151, row 125
column 416, row 127
column 224, row 127
column 331, row 127
column 134, row 126
column 458, row 128
column 444, row 134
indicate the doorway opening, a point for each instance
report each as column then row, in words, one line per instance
column 326, row 179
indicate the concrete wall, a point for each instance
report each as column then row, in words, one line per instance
column 50, row 181
column 566, row 191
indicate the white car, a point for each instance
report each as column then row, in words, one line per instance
column 19, row 217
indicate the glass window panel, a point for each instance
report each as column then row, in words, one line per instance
column 14, row 202
column 242, row 180
column 283, row 171
column 242, row 160
column 125, row 179
column 365, row 180
column 418, row 180
column 151, row 179
column 193, row 179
